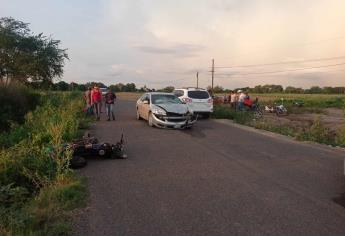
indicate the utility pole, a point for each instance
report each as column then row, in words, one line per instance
column 197, row 79
column 212, row 75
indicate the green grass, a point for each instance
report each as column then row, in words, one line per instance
column 310, row 100
column 224, row 112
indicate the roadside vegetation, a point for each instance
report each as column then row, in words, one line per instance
column 321, row 119
column 37, row 186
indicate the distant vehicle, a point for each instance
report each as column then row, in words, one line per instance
column 104, row 91
column 197, row 99
column 164, row 110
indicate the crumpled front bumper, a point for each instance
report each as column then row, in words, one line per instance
column 169, row 122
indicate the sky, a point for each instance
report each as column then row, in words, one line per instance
column 161, row 43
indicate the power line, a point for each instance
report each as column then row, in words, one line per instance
column 212, row 71
column 283, row 62
column 282, row 71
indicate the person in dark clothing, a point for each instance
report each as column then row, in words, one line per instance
column 110, row 98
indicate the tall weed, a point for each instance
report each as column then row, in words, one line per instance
column 341, row 136
column 318, row 133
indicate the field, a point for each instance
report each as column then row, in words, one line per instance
column 320, row 119
column 310, row 100
column 129, row 96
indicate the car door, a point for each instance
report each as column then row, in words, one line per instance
column 140, row 104
column 145, row 107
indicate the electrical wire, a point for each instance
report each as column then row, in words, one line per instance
column 283, row 71
column 281, row 63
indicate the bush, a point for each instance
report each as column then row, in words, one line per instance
column 318, row 133
column 341, row 136
column 15, row 101
column 241, row 117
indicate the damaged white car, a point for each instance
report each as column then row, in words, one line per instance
column 164, row 110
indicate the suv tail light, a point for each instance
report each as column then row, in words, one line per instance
column 187, row 100
column 210, row 100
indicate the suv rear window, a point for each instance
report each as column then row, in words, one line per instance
column 198, row 94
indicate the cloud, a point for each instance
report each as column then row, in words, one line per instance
column 178, row 49
column 117, row 69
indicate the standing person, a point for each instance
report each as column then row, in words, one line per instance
column 110, row 98
column 233, row 99
column 241, row 98
column 87, row 97
column 96, row 98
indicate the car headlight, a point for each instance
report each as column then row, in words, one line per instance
column 158, row 111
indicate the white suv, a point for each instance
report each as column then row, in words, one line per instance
column 197, row 99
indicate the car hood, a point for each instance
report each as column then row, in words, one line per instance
column 174, row 108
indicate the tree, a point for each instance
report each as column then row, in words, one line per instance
column 218, row 89
column 117, row 87
column 167, row 89
column 61, row 86
column 27, row 57
column 130, row 87
column 314, row 89
column 291, row 89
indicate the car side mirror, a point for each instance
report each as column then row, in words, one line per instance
column 146, row 102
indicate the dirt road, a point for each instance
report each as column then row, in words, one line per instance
column 215, row 179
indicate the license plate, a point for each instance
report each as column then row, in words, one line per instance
column 177, row 126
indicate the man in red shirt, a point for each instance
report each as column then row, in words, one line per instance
column 96, row 99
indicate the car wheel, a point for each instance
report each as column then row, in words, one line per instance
column 150, row 119
column 138, row 115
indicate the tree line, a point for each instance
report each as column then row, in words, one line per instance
column 131, row 87
column 272, row 88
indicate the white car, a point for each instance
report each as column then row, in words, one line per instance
column 164, row 110
column 197, row 99
column 104, row 91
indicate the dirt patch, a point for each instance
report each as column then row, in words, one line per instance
column 128, row 96
column 331, row 118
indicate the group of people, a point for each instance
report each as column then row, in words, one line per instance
column 94, row 100
column 238, row 100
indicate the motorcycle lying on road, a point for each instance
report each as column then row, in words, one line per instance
column 90, row 147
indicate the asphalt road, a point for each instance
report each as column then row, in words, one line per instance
column 215, row 179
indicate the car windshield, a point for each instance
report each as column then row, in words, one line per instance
column 198, row 94
column 165, row 98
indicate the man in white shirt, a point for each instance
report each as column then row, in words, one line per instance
column 241, row 98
